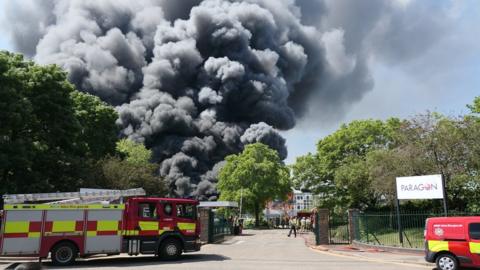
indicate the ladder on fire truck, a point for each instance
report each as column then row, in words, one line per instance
column 84, row 196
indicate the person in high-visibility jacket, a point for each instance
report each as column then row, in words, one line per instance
column 303, row 224
column 293, row 227
column 308, row 222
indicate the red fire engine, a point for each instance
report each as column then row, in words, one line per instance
column 85, row 223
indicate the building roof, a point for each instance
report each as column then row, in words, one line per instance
column 208, row 204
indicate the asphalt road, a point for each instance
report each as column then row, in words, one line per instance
column 270, row 249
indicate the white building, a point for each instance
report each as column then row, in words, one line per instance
column 302, row 201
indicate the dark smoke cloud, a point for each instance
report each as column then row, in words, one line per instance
column 359, row 33
column 197, row 80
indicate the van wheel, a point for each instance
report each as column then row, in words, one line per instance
column 64, row 254
column 170, row 249
column 447, row 262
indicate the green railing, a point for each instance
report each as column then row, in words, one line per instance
column 221, row 227
column 338, row 232
column 382, row 228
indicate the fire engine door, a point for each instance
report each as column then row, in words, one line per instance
column 148, row 219
column 166, row 212
column 186, row 218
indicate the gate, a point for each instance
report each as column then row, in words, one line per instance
column 338, row 232
column 218, row 227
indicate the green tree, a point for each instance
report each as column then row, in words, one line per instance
column 44, row 141
column 475, row 106
column 450, row 145
column 432, row 144
column 338, row 168
column 384, row 165
column 97, row 122
column 257, row 174
column 131, row 169
column 305, row 171
column 134, row 153
column 353, row 181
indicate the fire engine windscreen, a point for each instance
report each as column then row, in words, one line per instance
column 197, row 80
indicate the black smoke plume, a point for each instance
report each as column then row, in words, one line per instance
column 197, row 80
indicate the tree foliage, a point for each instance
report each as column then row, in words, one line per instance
column 134, row 153
column 337, row 172
column 356, row 166
column 131, row 168
column 98, row 130
column 257, row 175
column 46, row 136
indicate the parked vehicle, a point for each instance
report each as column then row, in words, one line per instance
column 452, row 242
column 82, row 224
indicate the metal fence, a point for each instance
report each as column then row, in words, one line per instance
column 338, row 232
column 219, row 227
column 382, row 228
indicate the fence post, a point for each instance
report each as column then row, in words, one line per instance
column 322, row 227
column 317, row 229
column 204, row 224
column 366, row 226
column 399, row 223
column 211, row 220
column 353, row 227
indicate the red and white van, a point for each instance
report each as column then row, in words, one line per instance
column 452, row 242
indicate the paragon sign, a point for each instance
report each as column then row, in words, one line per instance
column 420, row 187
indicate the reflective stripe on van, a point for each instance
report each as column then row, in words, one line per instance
column 436, row 246
column 474, row 247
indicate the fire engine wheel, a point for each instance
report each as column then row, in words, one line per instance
column 170, row 249
column 64, row 254
column 447, row 262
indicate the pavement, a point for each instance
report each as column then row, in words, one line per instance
column 263, row 250
column 375, row 254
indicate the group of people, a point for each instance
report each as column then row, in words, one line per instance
column 303, row 224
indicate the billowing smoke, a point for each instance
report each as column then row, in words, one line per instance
column 197, row 80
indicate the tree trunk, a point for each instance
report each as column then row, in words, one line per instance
column 257, row 214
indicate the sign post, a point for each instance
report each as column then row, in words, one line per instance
column 445, row 210
column 419, row 187
column 399, row 222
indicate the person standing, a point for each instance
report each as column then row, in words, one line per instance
column 309, row 224
column 293, row 227
column 303, row 224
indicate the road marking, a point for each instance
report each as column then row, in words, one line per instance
column 239, row 242
column 371, row 260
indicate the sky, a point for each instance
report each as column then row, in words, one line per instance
column 444, row 78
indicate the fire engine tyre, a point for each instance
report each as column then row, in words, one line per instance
column 64, row 253
column 170, row 249
column 446, row 261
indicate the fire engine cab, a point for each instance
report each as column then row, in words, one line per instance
column 452, row 242
column 86, row 223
